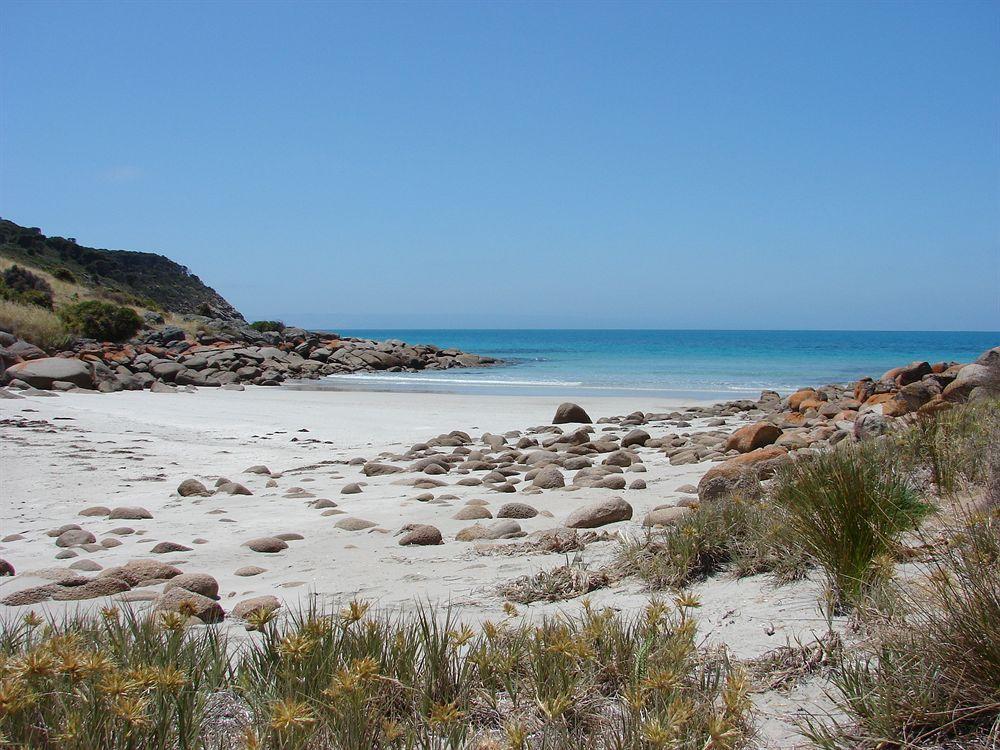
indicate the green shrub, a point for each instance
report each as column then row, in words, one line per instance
column 845, row 508
column 265, row 326
column 951, row 445
column 738, row 533
column 931, row 670
column 64, row 274
column 103, row 321
column 21, row 285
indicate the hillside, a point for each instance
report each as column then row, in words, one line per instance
column 139, row 278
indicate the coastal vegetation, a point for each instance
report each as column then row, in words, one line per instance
column 359, row 679
column 137, row 279
column 265, row 326
column 104, row 321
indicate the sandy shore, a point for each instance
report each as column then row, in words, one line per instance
column 66, row 453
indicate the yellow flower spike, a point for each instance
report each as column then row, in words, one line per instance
column 14, row 696
column 724, row 737
column 170, row 679
column 661, row 679
column 687, row 600
column 510, row 610
column 173, row 621
column 516, row 734
column 37, row 663
column 656, row 734
column 290, row 715
column 110, row 614
column 32, row 620
column 736, row 693
column 258, row 618
column 490, row 629
column 392, row 730
column 354, row 611
column 296, row 646
column 133, row 710
column 635, row 697
column 115, row 686
column 555, row 707
column 460, row 638
column 442, row 714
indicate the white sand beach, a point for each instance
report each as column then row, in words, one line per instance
column 69, row 452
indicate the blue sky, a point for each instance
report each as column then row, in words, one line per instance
column 702, row 165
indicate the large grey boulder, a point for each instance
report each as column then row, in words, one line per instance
column 42, row 373
column 600, row 513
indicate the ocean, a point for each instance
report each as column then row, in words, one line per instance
column 675, row 364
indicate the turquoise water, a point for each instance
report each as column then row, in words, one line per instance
column 678, row 364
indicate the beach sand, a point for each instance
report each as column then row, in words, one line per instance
column 65, row 453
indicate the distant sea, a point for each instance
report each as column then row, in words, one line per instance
column 675, row 364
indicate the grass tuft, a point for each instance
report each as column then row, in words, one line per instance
column 33, row 323
column 930, row 673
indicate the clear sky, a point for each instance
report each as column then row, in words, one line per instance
column 544, row 164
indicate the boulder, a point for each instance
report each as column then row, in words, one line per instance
column 136, row 571
column 796, row 399
column 199, row 583
column 249, row 570
column 516, row 510
column 666, row 516
column 752, row 437
column 42, row 373
column 374, row 469
column 267, row 544
column 191, row 487
column 635, row 437
column 742, row 472
column 548, row 478
column 350, row 523
column 969, row 378
column 499, row 529
column 472, row 513
column 192, row 604
column 600, row 513
column 164, row 548
column 73, row 537
column 420, row 534
column 92, row 589
column 568, row 413
column 130, row 512
column 247, row 607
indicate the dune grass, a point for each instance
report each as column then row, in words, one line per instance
column 739, row 534
column 953, row 446
column 846, row 509
column 32, row 323
column 358, row 679
column 930, row 672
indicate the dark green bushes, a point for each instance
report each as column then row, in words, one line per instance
column 21, row 285
column 264, row 326
column 103, row 321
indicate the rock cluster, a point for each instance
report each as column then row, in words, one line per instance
column 167, row 359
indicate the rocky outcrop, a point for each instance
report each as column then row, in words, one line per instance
column 225, row 354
